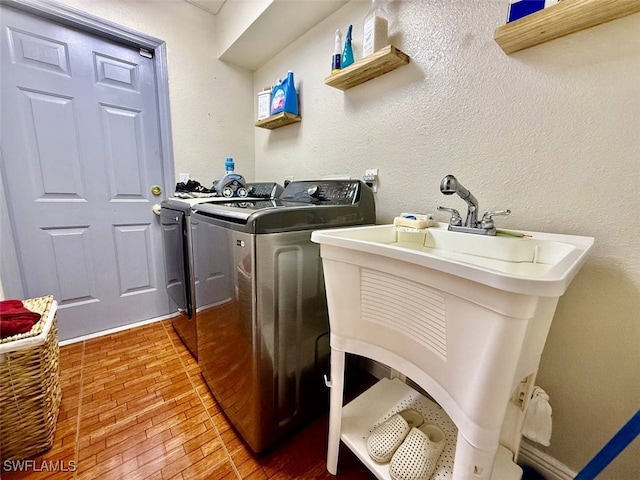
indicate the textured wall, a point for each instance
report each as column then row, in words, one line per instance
column 553, row 133
column 210, row 100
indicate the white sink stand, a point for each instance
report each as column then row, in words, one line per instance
column 465, row 318
column 468, row 345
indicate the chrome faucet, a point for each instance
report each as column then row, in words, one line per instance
column 485, row 226
column 449, row 186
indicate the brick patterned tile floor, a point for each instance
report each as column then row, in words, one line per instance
column 134, row 406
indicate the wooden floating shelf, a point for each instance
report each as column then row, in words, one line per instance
column 383, row 61
column 278, row 120
column 566, row 17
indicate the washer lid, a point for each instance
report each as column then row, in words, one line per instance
column 303, row 205
column 237, row 210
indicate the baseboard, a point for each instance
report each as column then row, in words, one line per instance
column 114, row 330
column 545, row 464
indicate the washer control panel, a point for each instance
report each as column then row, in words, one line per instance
column 335, row 192
column 264, row 190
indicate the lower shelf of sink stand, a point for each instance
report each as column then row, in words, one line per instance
column 391, row 396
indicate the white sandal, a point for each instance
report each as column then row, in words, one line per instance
column 387, row 437
column 418, row 455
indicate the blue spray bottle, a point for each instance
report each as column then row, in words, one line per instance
column 347, row 53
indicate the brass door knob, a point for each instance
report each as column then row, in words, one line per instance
column 156, row 190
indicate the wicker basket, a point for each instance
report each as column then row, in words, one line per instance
column 30, row 391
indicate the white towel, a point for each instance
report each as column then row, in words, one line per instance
column 537, row 420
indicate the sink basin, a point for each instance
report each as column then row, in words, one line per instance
column 540, row 264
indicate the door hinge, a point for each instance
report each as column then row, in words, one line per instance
column 146, row 53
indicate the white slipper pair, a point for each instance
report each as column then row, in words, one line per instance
column 412, row 446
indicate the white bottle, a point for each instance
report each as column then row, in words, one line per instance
column 375, row 29
column 264, row 103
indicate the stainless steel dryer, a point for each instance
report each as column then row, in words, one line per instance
column 264, row 348
column 192, row 286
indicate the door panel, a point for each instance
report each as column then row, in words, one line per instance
column 81, row 149
column 135, row 267
column 68, row 257
column 53, row 147
column 124, row 154
column 114, row 73
column 30, row 50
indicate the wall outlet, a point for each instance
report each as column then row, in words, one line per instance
column 184, row 177
column 371, row 178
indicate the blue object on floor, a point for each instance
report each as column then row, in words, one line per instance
column 611, row 450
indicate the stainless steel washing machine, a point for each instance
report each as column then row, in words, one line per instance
column 263, row 347
column 195, row 286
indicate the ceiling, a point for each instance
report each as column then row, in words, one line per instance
column 261, row 35
column 211, row 6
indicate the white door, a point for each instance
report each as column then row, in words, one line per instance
column 81, row 151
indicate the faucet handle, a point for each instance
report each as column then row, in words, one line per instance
column 456, row 219
column 487, row 218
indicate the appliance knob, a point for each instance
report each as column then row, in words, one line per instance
column 313, row 191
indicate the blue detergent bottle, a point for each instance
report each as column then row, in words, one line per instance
column 284, row 97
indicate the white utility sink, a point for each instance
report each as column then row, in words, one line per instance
column 541, row 264
column 464, row 316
